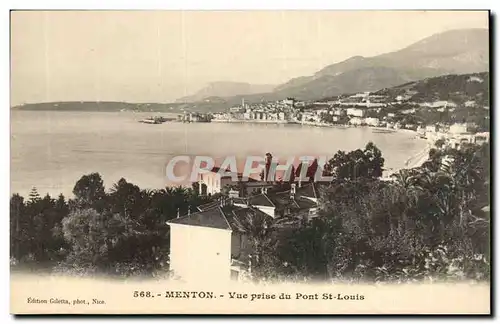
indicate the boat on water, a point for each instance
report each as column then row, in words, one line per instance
column 380, row 130
column 154, row 120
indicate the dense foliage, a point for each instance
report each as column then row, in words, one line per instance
column 122, row 231
column 429, row 223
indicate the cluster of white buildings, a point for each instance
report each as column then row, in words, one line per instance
column 454, row 135
column 361, row 109
column 280, row 111
column 194, row 117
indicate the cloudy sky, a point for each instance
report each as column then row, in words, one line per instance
column 158, row 56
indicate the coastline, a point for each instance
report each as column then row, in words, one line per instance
column 414, row 161
column 418, row 159
column 406, row 158
column 243, row 121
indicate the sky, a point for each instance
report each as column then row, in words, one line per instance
column 159, row 56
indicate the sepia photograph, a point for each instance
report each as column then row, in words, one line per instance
column 250, row 162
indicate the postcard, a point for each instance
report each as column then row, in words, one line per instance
column 250, row 162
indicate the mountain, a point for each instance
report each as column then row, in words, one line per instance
column 455, row 52
column 458, row 51
column 226, row 89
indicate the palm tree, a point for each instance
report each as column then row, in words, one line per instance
column 258, row 227
column 407, row 180
column 424, row 181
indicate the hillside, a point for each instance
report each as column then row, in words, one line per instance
column 226, row 89
column 459, row 89
column 452, row 52
column 368, row 79
column 445, row 99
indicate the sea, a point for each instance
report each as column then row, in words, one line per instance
column 51, row 150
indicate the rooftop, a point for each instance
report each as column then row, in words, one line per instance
column 209, row 205
column 220, row 217
column 230, row 173
column 261, row 200
column 213, row 218
column 309, row 190
column 297, row 202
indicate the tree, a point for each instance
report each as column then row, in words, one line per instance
column 87, row 232
column 299, row 251
column 429, row 220
column 257, row 227
column 439, row 143
column 367, row 163
column 18, row 227
column 126, row 199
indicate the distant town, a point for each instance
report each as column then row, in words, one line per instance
column 358, row 110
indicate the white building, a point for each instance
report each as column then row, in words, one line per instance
column 458, row 128
column 372, row 121
column 338, row 111
column 187, row 255
column 206, row 246
column 481, row 138
column 236, row 109
column 408, row 111
column 439, row 103
column 209, row 246
column 214, row 181
column 310, row 117
column 470, row 103
column 356, row 112
column 431, row 129
column 289, row 102
column 356, row 121
column 458, row 140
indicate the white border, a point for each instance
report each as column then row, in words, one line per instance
column 6, row 5
column 252, row 4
